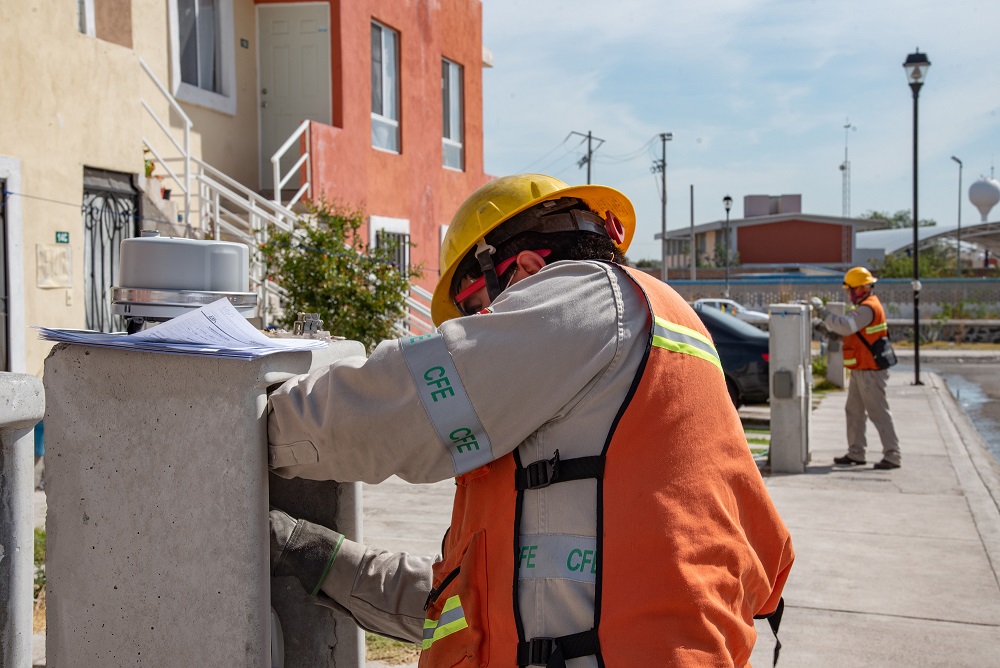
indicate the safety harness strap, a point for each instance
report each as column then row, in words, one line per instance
column 554, row 652
column 544, row 472
column 774, row 621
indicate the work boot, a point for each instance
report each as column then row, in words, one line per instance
column 847, row 460
column 885, row 465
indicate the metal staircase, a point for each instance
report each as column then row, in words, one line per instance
column 217, row 206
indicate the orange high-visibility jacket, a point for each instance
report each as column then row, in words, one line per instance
column 856, row 354
column 687, row 549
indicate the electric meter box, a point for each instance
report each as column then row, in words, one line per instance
column 158, row 496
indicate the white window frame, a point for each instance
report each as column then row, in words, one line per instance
column 453, row 110
column 378, row 118
column 225, row 101
column 86, row 17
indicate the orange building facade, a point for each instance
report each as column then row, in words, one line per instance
column 406, row 98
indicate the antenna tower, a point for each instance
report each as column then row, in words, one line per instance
column 845, row 168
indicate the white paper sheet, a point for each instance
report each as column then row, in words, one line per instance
column 216, row 330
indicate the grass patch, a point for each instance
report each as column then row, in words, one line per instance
column 38, row 611
column 387, row 650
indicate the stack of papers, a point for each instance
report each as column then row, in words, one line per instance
column 215, row 330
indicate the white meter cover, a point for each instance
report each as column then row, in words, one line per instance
column 169, row 263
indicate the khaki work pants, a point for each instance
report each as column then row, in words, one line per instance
column 866, row 399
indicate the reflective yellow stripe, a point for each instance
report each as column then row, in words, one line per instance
column 452, row 619
column 850, row 362
column 681, row 339
column 875, row 329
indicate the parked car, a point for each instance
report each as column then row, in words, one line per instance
column 734, row 308
column 744, row 351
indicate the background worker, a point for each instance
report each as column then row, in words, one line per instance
column 866, row 393
column 607, row 505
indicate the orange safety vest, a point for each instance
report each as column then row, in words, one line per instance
column 856, row 354
column 689, row 547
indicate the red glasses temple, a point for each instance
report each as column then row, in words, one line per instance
column 478, row 284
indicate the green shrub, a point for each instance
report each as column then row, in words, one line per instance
column 328, row 268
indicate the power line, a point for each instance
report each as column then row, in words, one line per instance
column 80, row 207
column 549, row 152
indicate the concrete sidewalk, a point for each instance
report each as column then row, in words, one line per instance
column 894, row 568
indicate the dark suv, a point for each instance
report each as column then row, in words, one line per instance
column 744, row 351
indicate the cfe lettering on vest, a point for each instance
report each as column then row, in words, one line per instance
column 557, row 556
column 446, row 402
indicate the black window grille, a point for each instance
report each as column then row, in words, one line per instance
column 400, row 246
column 110, row 204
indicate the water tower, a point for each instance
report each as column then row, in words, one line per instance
column 984, row 195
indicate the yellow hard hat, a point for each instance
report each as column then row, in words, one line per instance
column 498, row 201
column 857, row 277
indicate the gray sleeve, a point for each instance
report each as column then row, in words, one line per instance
column 384, row 591
column 548, row 337
column 855, row 321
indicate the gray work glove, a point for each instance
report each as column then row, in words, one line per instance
column 818, row 306
column 302, row 549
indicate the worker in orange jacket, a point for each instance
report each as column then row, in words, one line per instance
column 861, row 329
column 608, row 510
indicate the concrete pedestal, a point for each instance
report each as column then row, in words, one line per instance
column 157, row 512
column 791, row 386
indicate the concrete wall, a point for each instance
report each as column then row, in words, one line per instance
column 976, row 299
column 157, row 546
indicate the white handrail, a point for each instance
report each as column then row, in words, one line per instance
column 186, row 152
column 276, row 164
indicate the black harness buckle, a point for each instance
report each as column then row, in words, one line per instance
column 538, row 474
column 535, row 652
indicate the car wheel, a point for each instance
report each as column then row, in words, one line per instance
column 734, row 392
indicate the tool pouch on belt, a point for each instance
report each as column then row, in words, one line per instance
column 455, row 625
column 881, row 351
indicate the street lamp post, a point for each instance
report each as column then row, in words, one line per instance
column 916, row 67
column 958, row 244
column 727, row 202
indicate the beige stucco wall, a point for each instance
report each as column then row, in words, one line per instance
column 73, row 101
column 70, row 101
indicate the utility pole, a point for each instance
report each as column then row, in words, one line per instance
column 590, row 150
column 694, row 250
column 661, row 167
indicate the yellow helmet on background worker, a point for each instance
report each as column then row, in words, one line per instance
column 857, row 277
column 502, row 199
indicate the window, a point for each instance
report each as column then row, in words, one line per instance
column 204, row 71
column 451, row 107
column 85, row 17
column 385, row 88
column 386, row 231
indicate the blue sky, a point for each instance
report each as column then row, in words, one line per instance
column 756, row 94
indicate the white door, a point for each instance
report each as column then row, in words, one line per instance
column 295, row 83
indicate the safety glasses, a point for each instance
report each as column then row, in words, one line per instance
column 480, row 283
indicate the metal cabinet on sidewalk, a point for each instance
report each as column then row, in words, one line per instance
column 157, row 524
